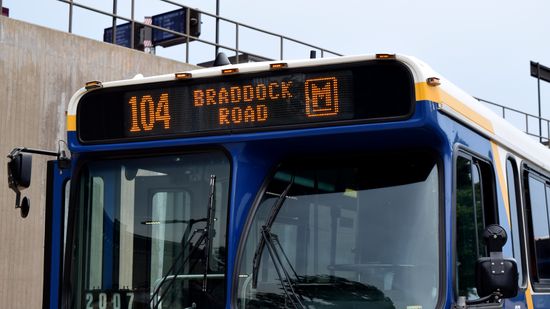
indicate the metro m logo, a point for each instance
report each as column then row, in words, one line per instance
column 321, row 97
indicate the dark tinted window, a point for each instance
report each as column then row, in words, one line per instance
column 538, row 213
column 474, row 211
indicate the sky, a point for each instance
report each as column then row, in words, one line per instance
column 483, row 46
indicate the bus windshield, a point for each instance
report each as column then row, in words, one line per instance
column 141, row 237
column 349, row 233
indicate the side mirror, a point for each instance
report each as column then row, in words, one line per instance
column 19, row 178
column 19, row 171
column 496, row 276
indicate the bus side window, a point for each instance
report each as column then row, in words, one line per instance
column 515, row 216
column 474, row 210
column 537, row 191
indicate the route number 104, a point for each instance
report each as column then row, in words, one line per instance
column 145, row 113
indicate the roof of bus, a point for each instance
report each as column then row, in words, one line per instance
column 452, row 100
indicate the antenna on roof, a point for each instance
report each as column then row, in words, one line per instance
column 221, row 60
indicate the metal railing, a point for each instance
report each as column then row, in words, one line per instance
column 234, row 48
column 507, row 111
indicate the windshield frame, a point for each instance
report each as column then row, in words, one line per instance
column 441, row 230
column 68, row 283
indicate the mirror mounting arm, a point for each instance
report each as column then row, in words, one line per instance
column 19, row 172
column 60, row 155
column 64, row 161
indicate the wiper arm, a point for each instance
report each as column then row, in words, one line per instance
column 208, row 229
column 272, row 241
column 278, row 243
column 179, row 270
column 269, row 222
column 206, row 235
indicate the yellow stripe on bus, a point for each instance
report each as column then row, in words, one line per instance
column 435, row 94
column 71, row 122
column 528, row 296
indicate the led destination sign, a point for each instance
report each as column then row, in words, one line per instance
column 232, row 104
column 258, row 102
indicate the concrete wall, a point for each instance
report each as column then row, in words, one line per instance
column 40, row 69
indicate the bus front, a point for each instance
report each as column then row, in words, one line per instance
column 309, row 184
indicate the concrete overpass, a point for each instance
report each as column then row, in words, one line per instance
column 40, row 69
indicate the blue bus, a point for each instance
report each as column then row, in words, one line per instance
column 350, row 182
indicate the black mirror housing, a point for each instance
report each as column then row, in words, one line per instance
column 19, row 171
column 496, row 275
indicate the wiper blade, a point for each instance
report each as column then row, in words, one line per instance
column 206, row 235
column 269, row 222
column 208, row 229
column 271, row 240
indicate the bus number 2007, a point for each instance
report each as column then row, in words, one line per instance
column 109, row 300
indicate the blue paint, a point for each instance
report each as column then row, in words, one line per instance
column 56, row 258
column 457, row 134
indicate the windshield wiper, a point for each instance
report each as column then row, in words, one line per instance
column 206, row 235
column 271, row 240
column 208, row 229
column 288, row 285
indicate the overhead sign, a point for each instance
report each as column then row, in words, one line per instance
column 175, row 21
column 540, row 71
column 124, row 35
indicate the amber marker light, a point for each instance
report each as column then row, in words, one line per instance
column 385, row 56
column 278, row 66
column 93, row 85
column 183, row 76
column 230, row 71
column 433, row 81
